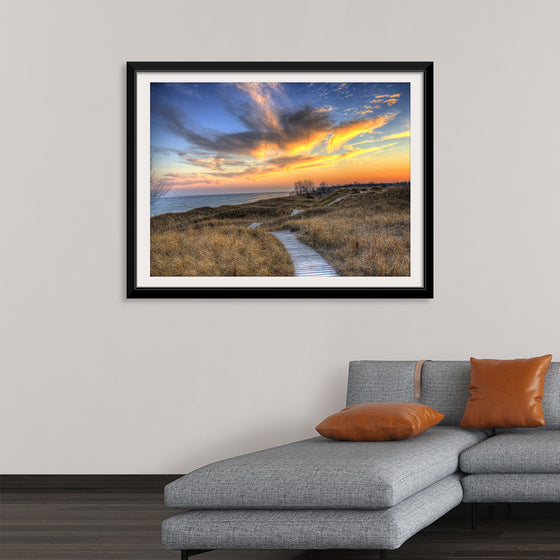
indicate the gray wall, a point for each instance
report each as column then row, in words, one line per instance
column 93, row 383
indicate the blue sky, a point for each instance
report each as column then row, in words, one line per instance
column 255, row 136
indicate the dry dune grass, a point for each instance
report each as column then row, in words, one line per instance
column 366, row 234
column 240, row 214
column 218, row 251
column 361, row 234
column 360, row 245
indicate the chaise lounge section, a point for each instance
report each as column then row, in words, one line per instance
column 356, row 529
column 325, row 494
column 319, row 473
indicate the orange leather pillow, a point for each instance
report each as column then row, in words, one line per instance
column 506, row 393
column 379, row 422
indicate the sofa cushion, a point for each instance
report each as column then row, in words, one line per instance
column 379, row 422
column 445, row 387
column 491, row 488
column 524, row 451
column 322, row 473
column 506, row 393
column 312, row 529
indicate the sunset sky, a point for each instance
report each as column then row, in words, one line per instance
column 259, row 137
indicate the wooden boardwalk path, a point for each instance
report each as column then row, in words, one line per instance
column 306, row 261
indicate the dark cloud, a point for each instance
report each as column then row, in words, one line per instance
column 289, row 127
column 300, row 125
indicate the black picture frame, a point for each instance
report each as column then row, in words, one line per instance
column 134, row 290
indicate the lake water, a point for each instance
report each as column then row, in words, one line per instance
column 185, row 203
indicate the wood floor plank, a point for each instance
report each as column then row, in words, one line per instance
column 79, row 525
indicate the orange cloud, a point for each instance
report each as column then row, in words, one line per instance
column 385, row 99
column 305, row 146
column 316, row 161
column 265, row 150
column 364, row 111
column 346, row 132
column 356, row 153
column 397, row 135
column 324, row 161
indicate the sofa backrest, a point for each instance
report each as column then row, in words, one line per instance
column 445, row 387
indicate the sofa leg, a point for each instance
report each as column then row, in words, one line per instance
column 508, row 509
column 473, row 517
column 382, row 555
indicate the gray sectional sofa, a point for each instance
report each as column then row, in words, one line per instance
column 325, row 494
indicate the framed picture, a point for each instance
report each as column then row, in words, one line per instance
column 280, row 179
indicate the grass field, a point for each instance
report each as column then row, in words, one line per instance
column 361, row 232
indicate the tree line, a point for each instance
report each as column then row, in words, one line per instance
column 307, row 187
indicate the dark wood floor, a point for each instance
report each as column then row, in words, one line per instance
column 115, row 525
